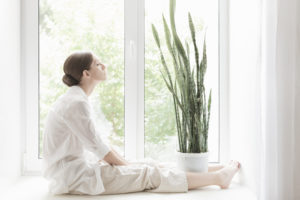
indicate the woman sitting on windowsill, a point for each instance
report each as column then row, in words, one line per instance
column 70, row 130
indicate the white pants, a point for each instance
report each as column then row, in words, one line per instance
column 142, row 176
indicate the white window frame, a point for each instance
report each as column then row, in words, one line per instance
column 29, row 61
column 134, row 82
column 224, row 136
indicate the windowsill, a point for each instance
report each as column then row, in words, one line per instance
column 36, row 187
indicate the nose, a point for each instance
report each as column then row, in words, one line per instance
column 103, row 67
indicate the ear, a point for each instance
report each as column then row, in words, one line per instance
column 86, row 73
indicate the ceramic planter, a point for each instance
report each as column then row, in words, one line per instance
column 192, row 162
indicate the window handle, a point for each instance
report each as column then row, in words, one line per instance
column 131, row 47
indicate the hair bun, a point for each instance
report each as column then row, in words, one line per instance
column 69, row 80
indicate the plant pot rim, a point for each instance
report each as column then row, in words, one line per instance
column 202, row 154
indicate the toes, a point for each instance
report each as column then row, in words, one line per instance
column 235, row 163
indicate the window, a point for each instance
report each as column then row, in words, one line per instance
column 134, row 99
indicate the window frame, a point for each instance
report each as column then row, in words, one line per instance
column 134, row 33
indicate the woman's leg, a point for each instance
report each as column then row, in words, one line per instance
column 220, row 178
column 196, row 180
column 211, row 168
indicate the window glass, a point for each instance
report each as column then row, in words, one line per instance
column 66, row 26
column 160, row 125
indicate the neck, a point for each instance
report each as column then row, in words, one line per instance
column 88, row 88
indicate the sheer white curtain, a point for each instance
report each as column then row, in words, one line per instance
column 280, row 99
column 265, row 95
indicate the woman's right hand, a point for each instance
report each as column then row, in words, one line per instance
column 114, row 158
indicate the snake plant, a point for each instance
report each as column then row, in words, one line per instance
column 192, row 110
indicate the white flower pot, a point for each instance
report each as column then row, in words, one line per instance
column 193, row 162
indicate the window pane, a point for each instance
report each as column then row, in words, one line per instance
column 160, row 125
column 66, row 26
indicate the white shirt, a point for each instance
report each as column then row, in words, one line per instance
column 69, row 131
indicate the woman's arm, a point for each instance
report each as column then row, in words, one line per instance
column 113, row 158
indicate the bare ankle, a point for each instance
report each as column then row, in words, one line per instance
column 217, row 178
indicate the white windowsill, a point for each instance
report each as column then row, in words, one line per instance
column 36, row 187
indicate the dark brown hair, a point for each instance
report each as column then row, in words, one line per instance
column 74, row 65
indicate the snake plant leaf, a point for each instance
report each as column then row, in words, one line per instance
column 209, row 106
column 155, row 34
column 175, row 36
column 187, row 49
column 167, row 35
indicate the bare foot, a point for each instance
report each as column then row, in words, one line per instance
column 226, row 174
column 213, row 168
column 217, row 167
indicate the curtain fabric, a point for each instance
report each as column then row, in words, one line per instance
column 280, row 103
column 265, row 95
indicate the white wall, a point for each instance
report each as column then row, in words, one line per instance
column 10, row 164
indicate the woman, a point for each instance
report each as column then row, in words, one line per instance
column 70, row 130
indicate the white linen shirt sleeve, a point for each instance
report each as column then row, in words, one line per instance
column 78, row 118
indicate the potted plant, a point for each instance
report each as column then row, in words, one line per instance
column 192, row 110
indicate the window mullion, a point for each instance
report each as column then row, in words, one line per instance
column 134, row 78
column 141, row 78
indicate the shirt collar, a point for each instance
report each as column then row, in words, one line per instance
column 79, row 90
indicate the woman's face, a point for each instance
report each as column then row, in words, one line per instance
column 98, row 70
